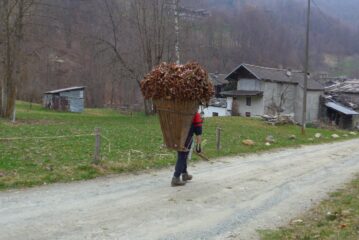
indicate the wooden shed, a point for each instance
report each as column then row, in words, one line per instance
column 66, row 99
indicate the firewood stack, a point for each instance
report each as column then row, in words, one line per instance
column 177, row 91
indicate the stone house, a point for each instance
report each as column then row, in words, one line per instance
column 342, row 103
column 256, row 91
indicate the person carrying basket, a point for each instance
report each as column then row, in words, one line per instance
column 182, row 156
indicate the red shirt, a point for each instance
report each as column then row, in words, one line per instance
column 197, row 120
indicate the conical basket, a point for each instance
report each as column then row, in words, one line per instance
column 176, row 119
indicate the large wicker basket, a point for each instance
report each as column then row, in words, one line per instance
column 176, row 119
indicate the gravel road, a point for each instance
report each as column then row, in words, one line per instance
column 228, row 199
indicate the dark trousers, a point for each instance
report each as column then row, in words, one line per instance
column 181, row 164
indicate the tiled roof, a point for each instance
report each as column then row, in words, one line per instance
column 348, row 86
column 218, row 78
column 277, row 75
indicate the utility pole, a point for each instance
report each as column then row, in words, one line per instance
column 177, row 48
column 185, row 13
column 306, row 71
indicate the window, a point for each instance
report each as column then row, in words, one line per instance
column 249, row 101
column 214, row 114
column 248, row 114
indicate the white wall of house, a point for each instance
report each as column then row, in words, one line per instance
column 312, row 105
column 229, row 103
column 250, row 84
column 222, row 112
column 255, row 109
column 272, row 94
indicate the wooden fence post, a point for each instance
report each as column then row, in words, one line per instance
column 218, row 138
column 97, row 156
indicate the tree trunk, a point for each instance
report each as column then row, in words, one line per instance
column 149, row 107
column 177, row 47
column 8, row 95
column 13, row 39
column 8, row 87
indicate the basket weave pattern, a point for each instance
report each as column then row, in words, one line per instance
column 176, row 119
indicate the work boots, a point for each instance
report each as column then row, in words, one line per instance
column 186, row 177
column 176, row 182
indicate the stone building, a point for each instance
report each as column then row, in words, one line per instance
column 256, row 91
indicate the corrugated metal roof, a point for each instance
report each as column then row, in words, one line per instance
column 278, row 75
column 340, row 108
column 241, row 93
column 65, row 90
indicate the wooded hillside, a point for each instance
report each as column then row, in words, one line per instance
column 109, row 45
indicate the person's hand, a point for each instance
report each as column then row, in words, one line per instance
column 198, row 148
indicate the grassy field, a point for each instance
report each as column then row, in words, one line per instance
column 334, row 218
column 347, row 67
column 135, row 141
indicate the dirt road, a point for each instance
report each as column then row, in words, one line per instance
column 228, row 199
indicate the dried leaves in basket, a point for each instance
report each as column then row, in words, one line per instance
column 179, row 82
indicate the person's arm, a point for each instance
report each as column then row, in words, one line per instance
column 197, row 124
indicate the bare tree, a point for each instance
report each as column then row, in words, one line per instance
column 151, row 21
column 277, row 106
column 176, row 13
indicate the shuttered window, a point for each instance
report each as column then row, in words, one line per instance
column 249, row 101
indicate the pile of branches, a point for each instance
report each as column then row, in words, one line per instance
column 279, row 119
column 178, row 82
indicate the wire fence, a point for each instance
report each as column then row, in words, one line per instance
column 128, row 154
column 97, row 146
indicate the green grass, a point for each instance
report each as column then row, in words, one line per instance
column 135, row 141
column 334, row 218
column 347, row 67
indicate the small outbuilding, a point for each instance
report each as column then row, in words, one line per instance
column 342, row 116
column 66, row 99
